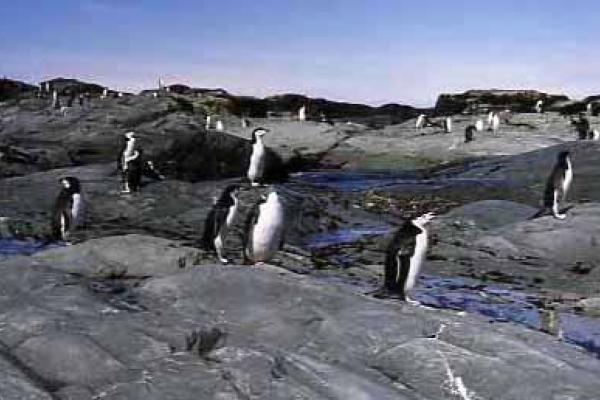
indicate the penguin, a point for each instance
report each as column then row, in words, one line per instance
column 490, row 117
column 588, row 108
column 104, row 93
column 220, row 218
column 539, row 106
column 55, row 100
column 448, row 125
column 404, row 256
column 479, row 125
column 302, row 113
column 207, row 127
column 495, row 123
column 558, row 184
column 219, row 126
column 264, row 229
column 257, row 159
column 68, row 209
column 420, row 123
column 469, row 133
column 127, row 154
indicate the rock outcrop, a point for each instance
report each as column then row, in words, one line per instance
column 10, row 89
column 494, row 99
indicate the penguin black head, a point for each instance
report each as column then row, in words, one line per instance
column 563, row 156
column 258, row 132
column 229, row 192
column 70, row 184
column 130, row 135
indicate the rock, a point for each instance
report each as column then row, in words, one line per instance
column 65, row 86
column 514, row 100
column 11, row 89
column 285, row 336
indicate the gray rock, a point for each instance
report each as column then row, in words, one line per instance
column 284, row 336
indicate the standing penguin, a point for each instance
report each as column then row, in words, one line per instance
column 263, row 234
column 479, row 125
column 256, row 168
column 489, row 118
column 469, row 133
column 558, row 184
column 539, row 106
column 127, row 154
column 420, row 123
column 495, row 123
column 404, row 256
column 447, row 124
column 219, row 220
column 68, row 209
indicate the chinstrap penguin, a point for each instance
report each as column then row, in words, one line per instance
column 404, row 256
column 130, row 174
column 220, row 218
column 557, row 186
column 256, row 168
column 470, row 133
column 68, row 209
column 264, row 229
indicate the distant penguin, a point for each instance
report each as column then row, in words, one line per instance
column 104, row 93
column 256, row 168
column 244, row 122
column 219, row 220
column 489, row 118
column 557, row 186
column 120, row 94
column 127, row 153
column 81, row 99
column 495, row 123
column 470, row 133
column 588, row 108
column 68, row 209
column 302, row 113
column 155, row 95
column 264, row 230
column 595, row 134
column 219, row 126
column 404, row 256
column 448, row 125
column 207, row 126
column 420, row 123
column 55, row 100
column 479, row 125
column 539, row 106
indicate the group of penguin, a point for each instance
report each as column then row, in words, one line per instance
column 265, row 225
column 264, row 228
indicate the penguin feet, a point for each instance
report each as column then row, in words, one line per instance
column 254, row 184
column 411, row 301
column 386, row 293
column 223, row 260
column 560, row 216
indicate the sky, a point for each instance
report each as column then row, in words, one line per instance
column 368, row 51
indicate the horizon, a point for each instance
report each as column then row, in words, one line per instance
column 400, row 52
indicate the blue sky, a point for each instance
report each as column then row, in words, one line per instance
column 372, row 51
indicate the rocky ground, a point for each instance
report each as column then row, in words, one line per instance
column 134, row 309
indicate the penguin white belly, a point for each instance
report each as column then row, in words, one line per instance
column 76, row 209
column 257, row 162
column 231, row 214
column 267, row 233
column 416, row 260
column 568, row 179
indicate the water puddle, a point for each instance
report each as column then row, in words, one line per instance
column 345, row 236
column 505, row 305
column 14, row 247
column 356, row 182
